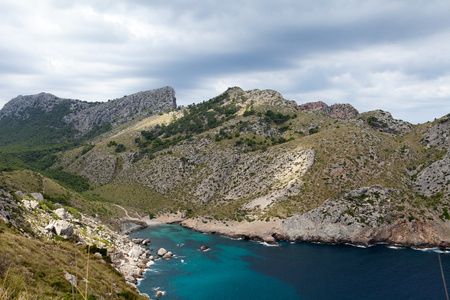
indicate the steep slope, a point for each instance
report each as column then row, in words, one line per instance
column 46, row 120
column 314, row 172
column 252, row 155
column 39, row 235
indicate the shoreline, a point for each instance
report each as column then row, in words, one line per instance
column 270, row 232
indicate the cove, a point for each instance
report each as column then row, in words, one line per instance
column 240, row 269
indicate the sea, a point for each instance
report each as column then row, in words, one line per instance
column 242, row 269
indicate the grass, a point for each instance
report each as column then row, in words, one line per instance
column 35, row 269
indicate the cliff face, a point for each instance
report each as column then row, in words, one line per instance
column 337, row 111
column 68, row 118
column 366, row 216
column 125, row 109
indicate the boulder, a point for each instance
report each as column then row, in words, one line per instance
column 146, row 242
column 161, row 252
column 204, row 248
column 50, row 228
column 63, row 228
column 60, row 227
column 168, row 255
column 61, row 213
column 19, row 194
column 71, row 278
column 136, row 252
column 30, row 204
column 37, row 196
column 137, row 241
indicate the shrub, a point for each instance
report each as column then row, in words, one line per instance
column 120, row 148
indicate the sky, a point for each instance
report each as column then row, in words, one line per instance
column 384, row 54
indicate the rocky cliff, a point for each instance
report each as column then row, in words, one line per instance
column 56, row 115
column 125, row 109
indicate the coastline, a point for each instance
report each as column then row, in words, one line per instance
column 272, row 231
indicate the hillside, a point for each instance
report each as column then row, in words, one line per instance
column 252, row 155
column 44, row 244
column 316, row 172
column 47, row 120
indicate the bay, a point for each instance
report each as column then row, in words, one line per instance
column 239, row 269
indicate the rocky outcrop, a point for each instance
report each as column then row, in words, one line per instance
column 365, row 217
column 61, row 228
column 438, row 135
column 383, row 121
column 27, row 215
column 124, row 109
column 45, row 102
column 337, row 111
column 10, row 212
column 84, row 116
column 435, row 179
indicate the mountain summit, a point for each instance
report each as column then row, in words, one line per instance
column 55, row 119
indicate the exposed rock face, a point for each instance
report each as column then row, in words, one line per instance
column 435, row 178
column 250, row 173
column 9, row 210
column 383, row 121
column 136, row 252
column 124, row 109
column 337, row 111
column 84, row 116
column 60, row 212
column 30, row 204
column 203, row 248
column 438, row 135
column 364, row 217
column 96, row 166
column 18, row 106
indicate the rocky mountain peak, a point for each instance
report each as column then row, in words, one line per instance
column 337, row 111
column 121, row 110
column 84, row 116
column 16, row 106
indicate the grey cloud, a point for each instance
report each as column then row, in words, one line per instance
column 328, row 49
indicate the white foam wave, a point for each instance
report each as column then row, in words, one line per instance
column 268, row 244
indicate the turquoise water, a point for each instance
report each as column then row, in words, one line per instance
column 234, row 269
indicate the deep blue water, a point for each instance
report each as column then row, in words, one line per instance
column 234, row 269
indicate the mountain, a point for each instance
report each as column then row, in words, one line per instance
column 251, row 163
column 44, row 119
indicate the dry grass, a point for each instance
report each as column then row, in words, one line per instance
column 37, row 267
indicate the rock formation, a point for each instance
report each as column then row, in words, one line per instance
column 337, row 111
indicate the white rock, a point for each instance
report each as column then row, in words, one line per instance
column 30, row 204
column 136, row 252
column 60, row 227
column 168, row 255
column 162, row 252
column 71, row 278
column 61, row 213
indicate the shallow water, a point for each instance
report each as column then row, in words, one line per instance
column 238, row 269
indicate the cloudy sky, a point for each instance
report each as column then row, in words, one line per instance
column 383, row 54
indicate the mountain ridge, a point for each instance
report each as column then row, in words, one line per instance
column 247, row 156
